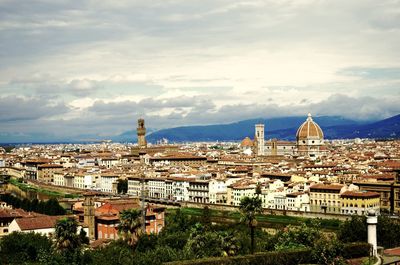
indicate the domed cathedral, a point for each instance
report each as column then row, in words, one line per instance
column 310, row 139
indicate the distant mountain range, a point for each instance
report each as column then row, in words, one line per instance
column 285, row 128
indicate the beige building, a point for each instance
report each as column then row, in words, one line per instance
column 326, row 198
column 45, row 172
column 359, row 202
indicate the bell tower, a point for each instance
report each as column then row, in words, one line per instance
column 89, row 214
column 141, row 134
column 260, row 139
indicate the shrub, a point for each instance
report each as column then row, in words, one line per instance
column 356, row 250
column 266, row 258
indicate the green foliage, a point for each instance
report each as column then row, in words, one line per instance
column 355, row 230
column 18, row 248
column 388, row 231
column 116, row 253
column 130, row 223
column 297, row 237
column 66, row 240
column 49, row 207
column 178, row 222
column 122, row 186
column 328, row 251
column 356, row 250
column 83, row 238
column 249, row 208
column 266, row 258
column 146, row 242
column 206, row 216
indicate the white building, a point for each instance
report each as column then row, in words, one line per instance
column 298, row 201
column 59, row 179
column 217, row 191
column 134, row 186
column 157, row 188
column 180, row 187
column 79, row 181
column 199, row 191
column 85, row 161
column 109, row 162
column 107, row 181
column 40, row 224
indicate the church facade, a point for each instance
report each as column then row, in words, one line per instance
column 309, row 142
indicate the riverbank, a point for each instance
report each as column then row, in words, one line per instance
column 263, row 220
column 33, row 188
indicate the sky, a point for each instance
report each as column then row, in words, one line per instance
column 76, row 68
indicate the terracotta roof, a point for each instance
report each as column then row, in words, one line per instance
column 360, row 194
column 309, row 129
column 326, row 187
column 116, row 207
column 17, row 213
column 39, row 222
column 392, row 251
column 50, row 166
column 246, row 142
column 294, row 194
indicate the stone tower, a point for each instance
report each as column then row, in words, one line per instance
column 260, row 139
column 89, row 214
column 141, row 134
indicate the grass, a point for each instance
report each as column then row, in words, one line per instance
column 27, row 187
column 330, row 224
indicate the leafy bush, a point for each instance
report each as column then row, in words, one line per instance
column 18, row 248
column 356, row 250
column 266, row 258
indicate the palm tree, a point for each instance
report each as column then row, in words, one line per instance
column 249, row 208
column 129, row 227
column 65, row 235
column 230, row 245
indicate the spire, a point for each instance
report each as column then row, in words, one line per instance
column 309, row 118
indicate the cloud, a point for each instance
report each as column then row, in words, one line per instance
column 70, row 67
column 13, row 108
column 372, row 73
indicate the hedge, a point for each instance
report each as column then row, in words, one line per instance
column 356, row 250
column 350, row 250
column 265, row 258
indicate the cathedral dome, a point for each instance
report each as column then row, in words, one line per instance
column 309, row 130
column 247, row 142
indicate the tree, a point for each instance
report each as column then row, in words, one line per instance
column 258, row 189
column 52, row 207
column 83, row 238
column 19, row 248
column 122, row 186
column 353, row 230
column 129, row 227
column 202, row 243
column 295, row 237
column 66, row 240
column 206, row 217
column 249, row 208
column 230, row 244
column 328, row 251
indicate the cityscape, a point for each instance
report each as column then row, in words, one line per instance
column 200, row 132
